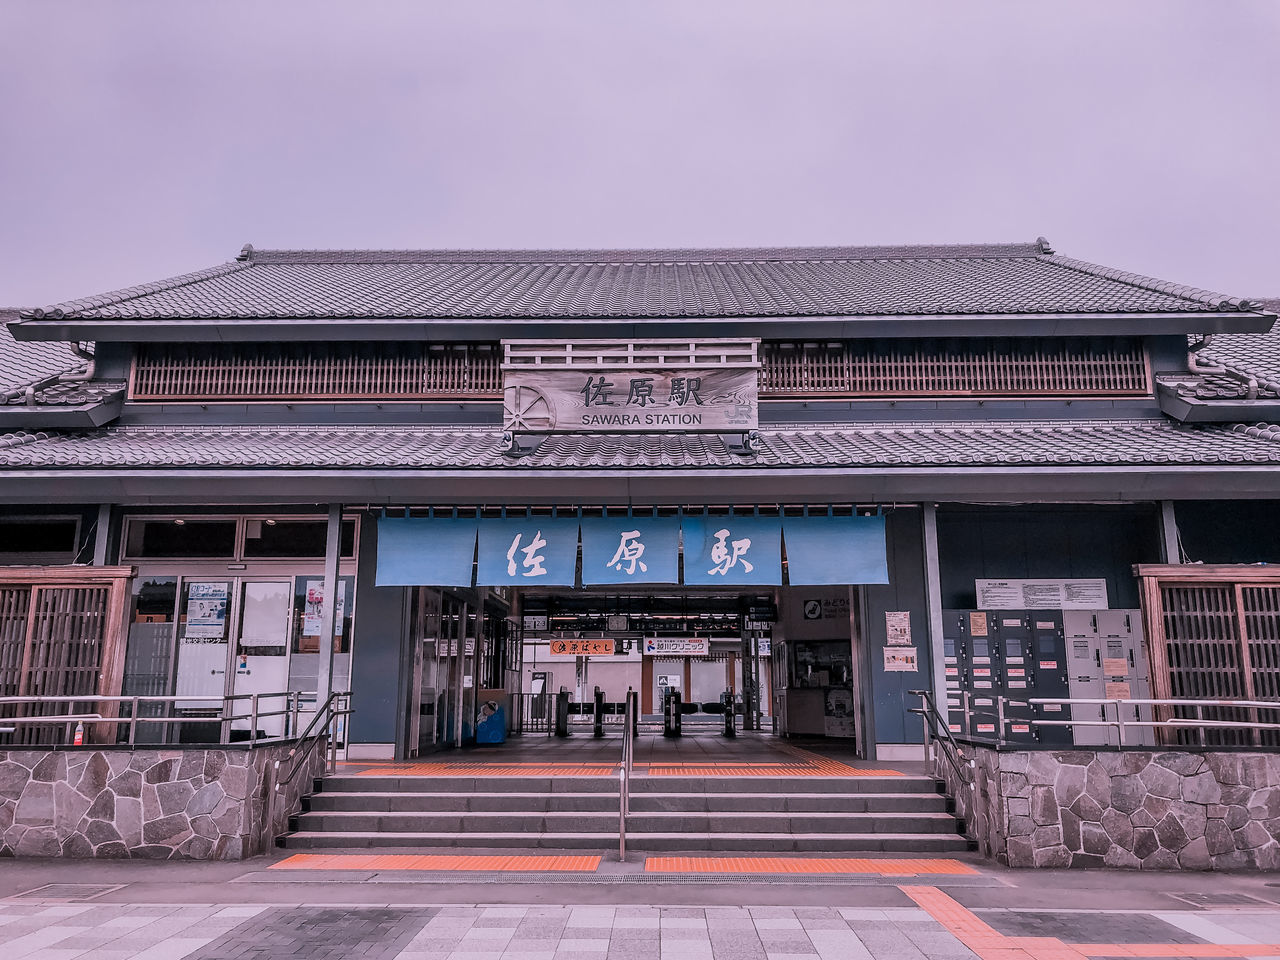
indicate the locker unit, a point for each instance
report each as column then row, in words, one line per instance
column 978, row 659
column 1109, row 661
column 1049, row 673
column 1035, row 666
column 953, row 707
column 1016, row 648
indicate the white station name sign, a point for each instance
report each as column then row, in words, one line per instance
column 677, row 646
column 643, row 387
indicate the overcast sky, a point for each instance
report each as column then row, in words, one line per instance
column 143, row 139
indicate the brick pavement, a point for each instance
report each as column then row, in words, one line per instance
column 935, row 926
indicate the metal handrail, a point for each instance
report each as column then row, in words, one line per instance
column 312, row 735
column 291, row 709
column 1120, row 724
column 329, row 714
column 933, row 721
column 624, row 774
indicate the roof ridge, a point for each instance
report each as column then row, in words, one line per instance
column 1219, row 301
column 125, row 294
column 250, row 254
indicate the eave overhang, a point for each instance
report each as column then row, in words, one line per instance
column 1196, row 410
column 258, row 329
column 61, row 416
column 173, row 487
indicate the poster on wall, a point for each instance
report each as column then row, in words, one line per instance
column 206, row 612
column 901, row 660
column 1054, row 594
column 897, row 628
column 837, row 712
column 314, row 612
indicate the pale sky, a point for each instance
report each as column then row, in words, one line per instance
column 144, row 139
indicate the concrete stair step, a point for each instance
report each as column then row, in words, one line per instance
column 761, row 842
column 790, row 803
column 780, row 784
column 387, row 783
column 686, row 823
column 405, row 802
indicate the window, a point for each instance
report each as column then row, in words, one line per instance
column 270, row 538
column 38, row 539
column 181, row 537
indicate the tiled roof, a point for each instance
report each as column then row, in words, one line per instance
column 1250, row 354
column 22, row 364
column 73, row 394
column 935, row 444
column 990, row 279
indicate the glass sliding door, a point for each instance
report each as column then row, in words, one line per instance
column 262, row 652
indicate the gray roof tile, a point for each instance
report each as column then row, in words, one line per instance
column 934, row 444
column 22, row 364
column 972, row 279
column 1250, row 354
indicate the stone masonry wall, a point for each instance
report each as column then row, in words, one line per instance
column 181, row 803
column 1150, row 810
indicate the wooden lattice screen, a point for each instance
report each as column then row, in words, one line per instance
column 1104, row 366
column 61, row 635
column 1214, row 634
column 961, row 367
column 316, row 371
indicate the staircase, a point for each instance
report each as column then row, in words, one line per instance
column 868, row 814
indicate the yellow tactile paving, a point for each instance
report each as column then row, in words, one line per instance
column 989, row 944
column 437, row 862
column 806, row 865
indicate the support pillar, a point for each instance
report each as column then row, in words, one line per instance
column 328, row 610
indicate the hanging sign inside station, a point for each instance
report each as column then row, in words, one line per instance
column 1052, row 594
column 581, row 648
column 637, row 386
column 677, row 646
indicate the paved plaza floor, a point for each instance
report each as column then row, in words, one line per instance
column 571, row 907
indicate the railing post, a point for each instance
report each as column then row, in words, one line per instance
column 1120, row 722
column 253, row 718
column 926, row 726
column 999, row 719
column 133, row 723
column 622, row 815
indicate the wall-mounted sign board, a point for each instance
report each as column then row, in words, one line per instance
column 677, row 646
column 640, row 386
column 581, row 648
column 1049, row 594
column 630, row 401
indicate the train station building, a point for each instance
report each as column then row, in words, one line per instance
column 789, row 485
column 766, row 477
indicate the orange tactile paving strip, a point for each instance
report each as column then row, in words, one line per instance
column 887, row 867
column 695, row 769
column 443, row 862
column 989, row 944
column 491, row 770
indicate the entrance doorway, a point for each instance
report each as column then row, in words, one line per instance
column 784, row 664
